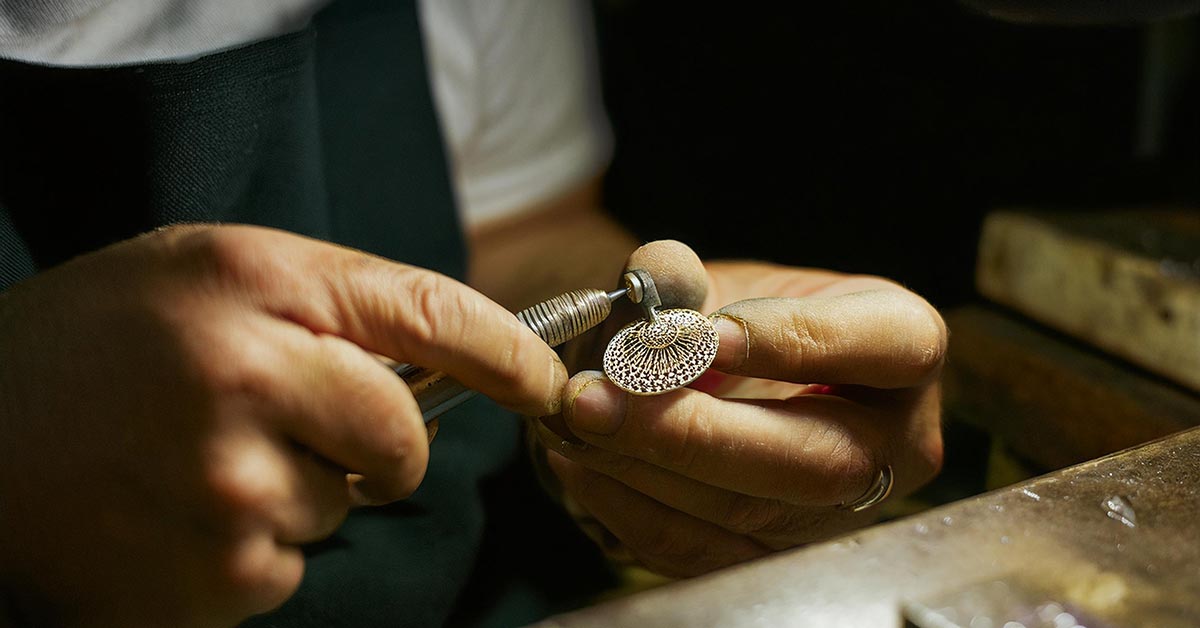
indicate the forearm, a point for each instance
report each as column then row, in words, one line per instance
column 566, row 244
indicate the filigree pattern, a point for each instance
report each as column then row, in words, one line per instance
column 647, row 358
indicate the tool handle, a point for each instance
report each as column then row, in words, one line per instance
column 555, row 320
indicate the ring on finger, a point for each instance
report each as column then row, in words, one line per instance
column 879, row 491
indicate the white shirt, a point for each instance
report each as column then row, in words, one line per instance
column 514, row 81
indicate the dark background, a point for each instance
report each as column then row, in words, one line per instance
column 872, row 136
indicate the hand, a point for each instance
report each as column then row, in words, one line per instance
column 831, row 377
column 179, row 412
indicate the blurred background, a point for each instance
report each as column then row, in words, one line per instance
column 872, row 136
column 876, row 136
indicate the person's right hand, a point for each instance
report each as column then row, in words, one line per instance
column 179, row 412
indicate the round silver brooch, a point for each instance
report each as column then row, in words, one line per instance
column 652, row 357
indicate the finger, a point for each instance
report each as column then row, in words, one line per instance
column 665, row 540
column 421, row 317
column 771, row 522
column 878, row 338
column 814, row 450
column 678, row 273
column 261, row 573
column 406, row 313
column 268, row 483
column 679, row 277
column 752, row 280
column 338, row 401
column 593, row 529
column 318, row 498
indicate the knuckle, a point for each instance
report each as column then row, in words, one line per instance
column 513, row 372
column 838, row 463
column 255, row 571
column 363, row 288
column 801, row 341
column 849, row 466
column 435, row 309
column 680, row 441
column 231, row 253
column 245, row 485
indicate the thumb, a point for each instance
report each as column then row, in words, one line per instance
column 681, row 281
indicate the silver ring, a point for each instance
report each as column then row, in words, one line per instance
column 879, row 491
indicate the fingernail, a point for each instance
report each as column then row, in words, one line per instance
column 735, row 341
column 598, row 408
column 357, row 496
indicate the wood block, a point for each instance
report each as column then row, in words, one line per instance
column 1127, row 282
column 1050, row 399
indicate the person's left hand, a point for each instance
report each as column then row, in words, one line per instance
column 828, row 379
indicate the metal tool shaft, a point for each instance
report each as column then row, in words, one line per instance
column 555, row 320
column 568, row 315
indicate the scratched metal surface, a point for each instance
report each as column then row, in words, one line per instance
column 1062, row 536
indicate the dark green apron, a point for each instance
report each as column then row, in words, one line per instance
column 332, row 133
